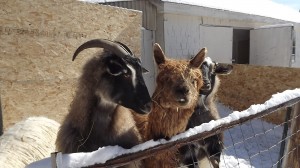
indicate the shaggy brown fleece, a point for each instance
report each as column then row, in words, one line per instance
column 174, row 100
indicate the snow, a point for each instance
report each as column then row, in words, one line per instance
column 265, row 8
column 252, row 144
column 242, row 142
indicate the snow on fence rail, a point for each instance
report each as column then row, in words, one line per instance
column 114, row 156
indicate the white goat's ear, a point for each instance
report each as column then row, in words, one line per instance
column 115, row 68
column 199, row 58
column 159, row 55
column 223, row 69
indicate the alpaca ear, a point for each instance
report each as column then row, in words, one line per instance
column 198, row 59
column 159, row 55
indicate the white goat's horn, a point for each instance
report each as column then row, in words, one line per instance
column 116, row 47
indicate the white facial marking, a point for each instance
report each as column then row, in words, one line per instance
column 208, row 60
column 133, row 76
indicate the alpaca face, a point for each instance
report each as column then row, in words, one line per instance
column 178, row 81
column 178, row 84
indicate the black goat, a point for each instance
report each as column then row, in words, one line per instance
column 210, row 148
column 110, row 83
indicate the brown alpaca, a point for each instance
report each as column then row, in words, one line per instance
column 174, row 100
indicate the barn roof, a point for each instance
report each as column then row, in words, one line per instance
column 266, row 8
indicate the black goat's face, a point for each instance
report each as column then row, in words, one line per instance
column 209, row 71
column 117, row 74
column 124, row 84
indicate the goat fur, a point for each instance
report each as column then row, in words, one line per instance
column 94, row 120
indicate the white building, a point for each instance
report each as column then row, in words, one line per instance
column 258, row 32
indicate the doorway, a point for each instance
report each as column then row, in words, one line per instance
column 240, row 46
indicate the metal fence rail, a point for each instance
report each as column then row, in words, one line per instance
column 127, row 158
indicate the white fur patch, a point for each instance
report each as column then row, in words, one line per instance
column 205, row 163
column 133, row 76
column 208, row 60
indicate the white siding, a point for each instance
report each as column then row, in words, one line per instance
column 218, row 41
column 147, row 59
column 182, row 36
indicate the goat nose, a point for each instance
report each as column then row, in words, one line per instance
column 148, row 106
column 206, row 86
column 182, row 90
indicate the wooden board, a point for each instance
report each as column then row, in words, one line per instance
column 37, row 40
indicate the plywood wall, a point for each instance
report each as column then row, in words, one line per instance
column 248, row 85
column 37, row 40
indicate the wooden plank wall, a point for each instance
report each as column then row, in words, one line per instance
column 37, row 40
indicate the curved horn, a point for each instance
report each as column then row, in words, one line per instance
column 125, row 47
column 102, row 43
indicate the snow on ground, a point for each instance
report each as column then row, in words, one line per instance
column 260, row 136
column 252, row 143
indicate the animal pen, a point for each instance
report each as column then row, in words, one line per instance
column 286, row 147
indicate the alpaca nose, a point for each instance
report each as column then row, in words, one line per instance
column 182, row 90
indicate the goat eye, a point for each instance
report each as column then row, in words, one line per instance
column 126, row 75
column 115, row 68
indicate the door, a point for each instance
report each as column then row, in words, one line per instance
column 147, row 59
column 218, row 41
column 271, row 45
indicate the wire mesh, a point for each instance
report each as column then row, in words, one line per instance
column 255, row 143
column 251, row 142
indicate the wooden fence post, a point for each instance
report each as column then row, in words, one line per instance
column 284, row 135
column 292, row 158
column 1, row 119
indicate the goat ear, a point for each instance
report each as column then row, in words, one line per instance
column 144, row 70
column 115, row 68
column 223, row 69
column 159, row 55
column 198, row 59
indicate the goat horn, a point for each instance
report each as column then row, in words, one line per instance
column 103, row 43
column 125, row 47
